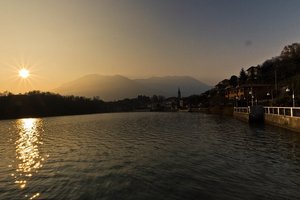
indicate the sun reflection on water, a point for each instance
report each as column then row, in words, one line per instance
column 28, row 156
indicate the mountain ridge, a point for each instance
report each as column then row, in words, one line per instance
column 116, row 87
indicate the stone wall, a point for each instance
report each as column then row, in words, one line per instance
column 292, row 123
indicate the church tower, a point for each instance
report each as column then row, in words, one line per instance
column 179, row 94
column 179, row 99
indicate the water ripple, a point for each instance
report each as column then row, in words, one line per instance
column 148, row 156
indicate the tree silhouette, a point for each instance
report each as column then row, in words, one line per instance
column 233, row 81
column 243, row 76
column 40, row 104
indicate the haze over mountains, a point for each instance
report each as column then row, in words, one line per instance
column 109, row 88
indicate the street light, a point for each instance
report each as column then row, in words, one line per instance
column 252, row 97
column 270, row 94
column 236, row 101
column 293, row 95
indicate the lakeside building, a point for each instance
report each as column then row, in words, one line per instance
column 253, row 72
column 248, row 92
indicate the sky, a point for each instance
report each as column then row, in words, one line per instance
column 59, row 41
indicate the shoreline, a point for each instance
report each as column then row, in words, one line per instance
column 277, row 118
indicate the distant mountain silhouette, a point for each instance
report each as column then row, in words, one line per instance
column 106, row 87
column 169, row 85
column 109, row 88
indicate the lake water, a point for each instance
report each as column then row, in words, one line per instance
column 147, row 156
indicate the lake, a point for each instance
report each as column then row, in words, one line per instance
column 147, row 156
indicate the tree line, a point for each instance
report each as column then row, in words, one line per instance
column 41, row 104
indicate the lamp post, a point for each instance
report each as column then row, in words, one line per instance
column 252, row 97
column 236, row 101
column 275, row 74
column 293, row 95
column 270, row 94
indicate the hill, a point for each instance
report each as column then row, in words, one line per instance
column 277, row 80
column 169, row 85
column 117, row 87
column 106, row 87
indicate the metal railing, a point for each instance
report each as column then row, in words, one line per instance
column 284, row 111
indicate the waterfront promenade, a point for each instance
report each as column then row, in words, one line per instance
column 285, row 117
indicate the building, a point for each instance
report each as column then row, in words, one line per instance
column 252, row 71
column 254, row 74
column 248, row 92
column 179, row 98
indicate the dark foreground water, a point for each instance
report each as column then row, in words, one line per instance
column 147, row 156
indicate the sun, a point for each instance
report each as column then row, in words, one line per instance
column 24, row 73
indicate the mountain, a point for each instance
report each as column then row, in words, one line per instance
column 117, row 87
column 106, row 87
column 168, row 85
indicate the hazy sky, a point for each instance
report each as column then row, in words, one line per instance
column 62, row 40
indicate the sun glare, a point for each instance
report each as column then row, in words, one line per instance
column 24, row 73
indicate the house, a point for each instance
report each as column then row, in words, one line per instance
column 248, row 91
column 254, row 73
